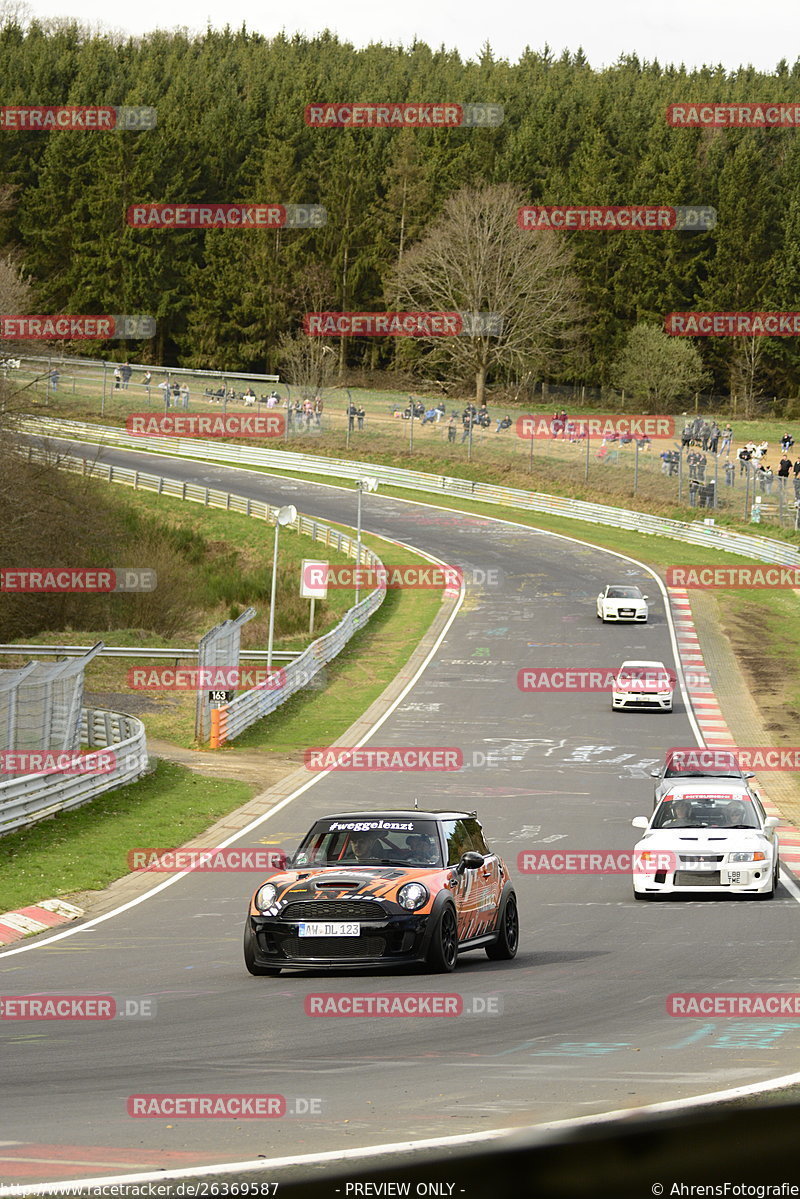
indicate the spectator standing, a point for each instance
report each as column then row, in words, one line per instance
column 713, row 438
column 54, row 377
column 744, row 457
column 451, row 429
column 783, row 469
column 117, row 378
column 727, row 438
column 730, row 473
column 126, row 373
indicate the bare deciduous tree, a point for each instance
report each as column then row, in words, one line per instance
column 746, row 370
column 475, row 258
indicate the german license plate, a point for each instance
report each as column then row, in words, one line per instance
column 331, row 929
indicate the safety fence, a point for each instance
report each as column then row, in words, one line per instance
column 26, row 799
column 245, row 709
column 691, row 532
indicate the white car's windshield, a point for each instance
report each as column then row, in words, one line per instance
column 624, row 593
column 707, row 811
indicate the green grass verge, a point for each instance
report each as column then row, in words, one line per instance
column 87, row 849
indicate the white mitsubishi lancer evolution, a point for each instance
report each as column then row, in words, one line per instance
column 707, row 837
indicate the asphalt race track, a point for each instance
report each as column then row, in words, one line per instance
column 583, row 1027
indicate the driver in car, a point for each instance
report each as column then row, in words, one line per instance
column 363, row 847
column 681, row 814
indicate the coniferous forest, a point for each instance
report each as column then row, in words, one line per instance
column 231, row 129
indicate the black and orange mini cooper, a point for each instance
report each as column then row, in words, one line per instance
column 370, row 889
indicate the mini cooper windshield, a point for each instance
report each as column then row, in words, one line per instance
column 370, row 843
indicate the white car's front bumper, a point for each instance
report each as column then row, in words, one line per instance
column 623, row 613
column 641, row 699
column 730, row 878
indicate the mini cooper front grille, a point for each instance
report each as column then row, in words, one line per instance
column 334, row 947
column 331, row 909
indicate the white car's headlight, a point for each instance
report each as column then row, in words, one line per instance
column 747, row 856
column 412, row 896
column 266, row 896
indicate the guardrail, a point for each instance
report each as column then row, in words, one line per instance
column 26, row 799
column 139, row 651
column 232, row 719
column 762, row 549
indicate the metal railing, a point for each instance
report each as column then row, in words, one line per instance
column 692, row 532
column 138, row 651
column 232, row 719
column 26, row 799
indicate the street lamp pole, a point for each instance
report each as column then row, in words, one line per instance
column 367, row 484
column 284, row 516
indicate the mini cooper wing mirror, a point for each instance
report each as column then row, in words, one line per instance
column 640, row 822
column 469, row 861
column 277, row 859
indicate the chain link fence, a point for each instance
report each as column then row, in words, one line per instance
column 40, row 705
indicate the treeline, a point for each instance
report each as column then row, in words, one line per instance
column 231, row 129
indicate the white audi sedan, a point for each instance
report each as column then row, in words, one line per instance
column 709, row 837
column 643, row 685
column 620, row 601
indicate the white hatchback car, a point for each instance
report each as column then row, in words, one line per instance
column 643, row 685
column 621, row 601
column 709, row 837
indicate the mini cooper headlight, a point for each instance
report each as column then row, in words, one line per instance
column 266, row 896
column 412, row 896
column 749, row 856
